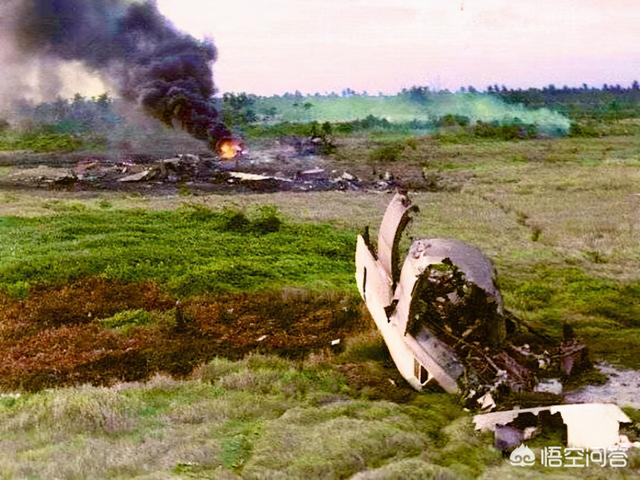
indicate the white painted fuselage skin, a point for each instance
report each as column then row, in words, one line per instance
column 375, row 286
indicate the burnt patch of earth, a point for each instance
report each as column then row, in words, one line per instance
column 79, row 333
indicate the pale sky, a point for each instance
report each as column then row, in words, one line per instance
column 273, row 46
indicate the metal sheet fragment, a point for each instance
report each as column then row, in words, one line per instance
column 589, row 425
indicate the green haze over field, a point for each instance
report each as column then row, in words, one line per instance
column 401, row 108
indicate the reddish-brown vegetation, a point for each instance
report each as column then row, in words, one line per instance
column 56, row 337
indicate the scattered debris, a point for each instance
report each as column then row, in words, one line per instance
column 256, row 182
column 335, row 342
column 573, row 354
column 44, row 175
column 442, row 317
column 589, row 425
column 249, row 177
column 315, row 144
column 298, row 164
column 84, row 167
column 252, row 177
column 486, row 402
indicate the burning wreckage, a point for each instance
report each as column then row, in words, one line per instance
column 442, row 317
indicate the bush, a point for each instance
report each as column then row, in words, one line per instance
column 234, row 220
column 127, row 319
column 387, row 153
column 267, row 220
column 583, row 130
column 451, row 120
column 510, row 131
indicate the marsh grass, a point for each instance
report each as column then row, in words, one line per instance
column 261, row 417
column 190, row 251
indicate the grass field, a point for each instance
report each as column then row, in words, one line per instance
column 559, row 217
column 188, row 251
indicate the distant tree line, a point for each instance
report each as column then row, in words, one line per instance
column 608, row 101
column 96, row 114
column 612, row 101
column 76, row 115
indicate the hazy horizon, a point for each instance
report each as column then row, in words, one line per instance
column 386, row 45
column 383, row 46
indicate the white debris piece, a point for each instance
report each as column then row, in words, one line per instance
column 313, row 171
column 44, row 174
column 589, row 425
column 254, row 177
column 486, row 402
column 137, row 177
column 550, row 385
column 250, row 177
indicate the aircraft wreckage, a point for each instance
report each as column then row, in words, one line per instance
column 442, row 317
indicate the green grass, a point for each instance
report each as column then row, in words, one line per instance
column 262, row 417
column 562, row 236
column 189, row 251
column 604, row 312
column 128, row 319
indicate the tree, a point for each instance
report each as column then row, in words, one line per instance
column 238, row 108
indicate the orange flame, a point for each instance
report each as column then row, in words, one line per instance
column 228, row 148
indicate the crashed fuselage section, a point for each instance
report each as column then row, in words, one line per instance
column 442, row 317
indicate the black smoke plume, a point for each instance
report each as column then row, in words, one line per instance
column 149, row 61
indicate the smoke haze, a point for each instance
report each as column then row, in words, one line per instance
column 129, row 44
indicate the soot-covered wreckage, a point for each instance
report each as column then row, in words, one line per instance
column 442, row 317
